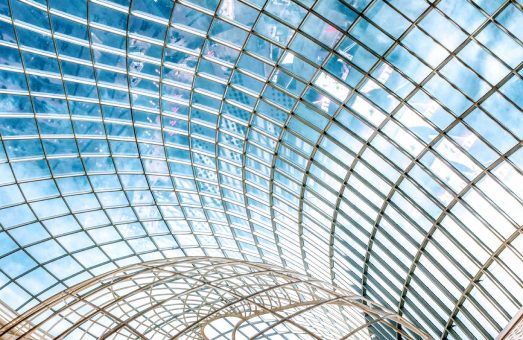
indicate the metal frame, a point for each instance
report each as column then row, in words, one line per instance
column 281, row 188
column 197, row 292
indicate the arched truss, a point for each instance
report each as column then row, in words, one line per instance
column 375, row 144
column 197, row 298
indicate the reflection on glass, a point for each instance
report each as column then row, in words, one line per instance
column 373, row 144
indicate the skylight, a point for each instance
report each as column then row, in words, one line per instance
column 372, row 144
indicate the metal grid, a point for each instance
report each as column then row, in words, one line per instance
column 372, row 144
column 194, row 297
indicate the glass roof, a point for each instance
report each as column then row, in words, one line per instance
column 207, row 298
column 372, row 144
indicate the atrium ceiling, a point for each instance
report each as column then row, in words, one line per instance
column 207, row 298
column 375, row 145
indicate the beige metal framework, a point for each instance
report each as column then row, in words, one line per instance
column 205, row 298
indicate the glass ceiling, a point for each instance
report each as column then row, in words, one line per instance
column 372, row 144
column 203, row 298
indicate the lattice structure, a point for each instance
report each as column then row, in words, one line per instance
column 371, row 144
column 197, row 298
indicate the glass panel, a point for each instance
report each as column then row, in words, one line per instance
column 372, row 144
